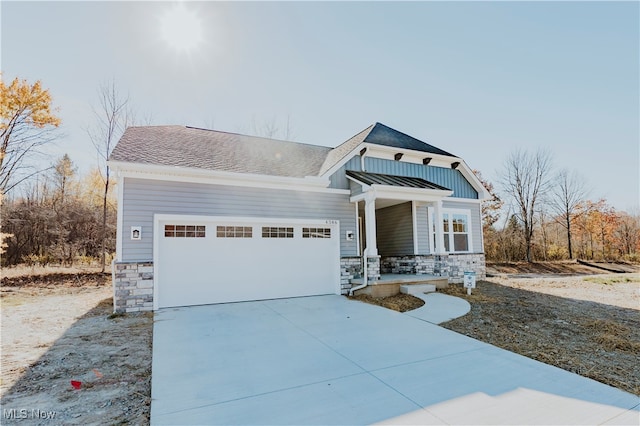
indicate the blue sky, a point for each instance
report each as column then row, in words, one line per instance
column 476, row 79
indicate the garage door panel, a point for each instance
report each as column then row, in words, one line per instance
column 217, row 269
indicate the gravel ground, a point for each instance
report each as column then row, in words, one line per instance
column 586, row 325
column 59, row 328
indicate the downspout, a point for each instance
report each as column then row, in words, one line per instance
column 364, row 273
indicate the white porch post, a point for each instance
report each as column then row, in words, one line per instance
column 370, row 224
column 439, row 248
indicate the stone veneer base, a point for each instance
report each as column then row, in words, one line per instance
column 132, row 286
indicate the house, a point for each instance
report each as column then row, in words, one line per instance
column 208, row 217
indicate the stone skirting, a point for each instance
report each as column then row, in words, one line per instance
column 452, row 266
column 132, row 286
column 459, row 263
column 350, row 268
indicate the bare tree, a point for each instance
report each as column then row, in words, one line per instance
column 568, row 192
column 525, row 178
column 112, row 117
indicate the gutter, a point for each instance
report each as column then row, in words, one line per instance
column 365, row 252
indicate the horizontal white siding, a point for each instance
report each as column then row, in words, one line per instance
column 143, row 198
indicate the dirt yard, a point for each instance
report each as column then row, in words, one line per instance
column 589, row 325
column 59, row 328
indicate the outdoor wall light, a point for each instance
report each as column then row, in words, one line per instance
column 136, row 232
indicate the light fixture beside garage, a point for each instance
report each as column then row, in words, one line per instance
column 136, row 232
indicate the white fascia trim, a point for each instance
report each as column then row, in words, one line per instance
column 471, row 177
column 416, row 156
column 463, row 200
column 192, row 175
column 344, row 160
column 401, row 193
column 187, row 218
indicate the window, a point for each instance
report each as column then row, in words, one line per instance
column 276, row 232
column 316, row 232
column 184, row 231
column 456, row 229
column 234, row 232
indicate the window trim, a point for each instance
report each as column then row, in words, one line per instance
column 450, row 234
column 198, row 231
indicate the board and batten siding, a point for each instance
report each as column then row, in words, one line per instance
column 143, row 198
column 447, row 177
column 394, row 230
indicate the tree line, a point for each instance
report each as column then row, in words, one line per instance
column 543, row 213
column 58, row 219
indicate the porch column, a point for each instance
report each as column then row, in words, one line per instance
column 437, row 213
column 370, row 224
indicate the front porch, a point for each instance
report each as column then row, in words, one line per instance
column 390, row 284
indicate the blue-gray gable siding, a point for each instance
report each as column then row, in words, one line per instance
column 394, row 230
column 143, row 198
column 447, row 177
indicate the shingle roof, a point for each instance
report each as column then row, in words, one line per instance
column 222, row 151
column 379, row 134
column 391, row 180
column 384, row 135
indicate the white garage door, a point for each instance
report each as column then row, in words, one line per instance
column 215, row 260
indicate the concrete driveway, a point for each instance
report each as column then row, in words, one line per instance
column 329, row 360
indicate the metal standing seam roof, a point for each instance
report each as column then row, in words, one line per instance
column 391, row 180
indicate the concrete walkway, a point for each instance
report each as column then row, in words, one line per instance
column 333, row 361
column 439, row 308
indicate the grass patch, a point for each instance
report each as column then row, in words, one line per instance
column 614, row 279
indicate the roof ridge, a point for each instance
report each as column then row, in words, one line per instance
column 255, row 137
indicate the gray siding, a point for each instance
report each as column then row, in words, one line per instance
column 394, row 229
column 447, row 177
column 339, row 178
column 143, row 198
column 476, row 221
column 422, row 225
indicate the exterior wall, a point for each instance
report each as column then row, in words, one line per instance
column 143, row 198
column 476, row 220
column 422, row 225
column 459, row 263
column 350, row 268
column 133, row 286
column 447, row 177
column 394, row 229
column 339, row 178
